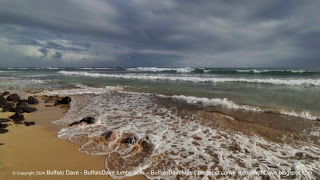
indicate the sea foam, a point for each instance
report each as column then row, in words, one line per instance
column 178, row 142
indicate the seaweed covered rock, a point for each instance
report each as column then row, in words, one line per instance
column 32, row 100
column 65, row 100
column 14, row 97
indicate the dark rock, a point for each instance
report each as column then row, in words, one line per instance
column 87, row 120
column 8, row 107
column 17, row 117
column 3, row 101
column 17, row 122
column 24, row 100
column 29, row 123
column 299, row 155
column 3, row 130
column 32, row 100
column 4, row 120
column 23, row 106
column 146, row 145
column 5, row 93
column 13, row 97
column 65, row 100
column 29, row 109
column 107, row 134
column 74, row 123
column 3, row 125
column 129, row 140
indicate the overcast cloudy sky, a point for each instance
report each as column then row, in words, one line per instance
column 163, row 33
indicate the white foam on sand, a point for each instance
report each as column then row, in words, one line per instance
column 199, row 79
column 178, row 143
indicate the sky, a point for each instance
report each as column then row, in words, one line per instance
column 159, row 33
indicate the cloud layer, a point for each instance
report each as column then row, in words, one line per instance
column 162, row 33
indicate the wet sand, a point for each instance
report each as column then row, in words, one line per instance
column 36, row 148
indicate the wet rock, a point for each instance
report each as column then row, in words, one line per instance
column 3, row 125
column 3, row 101
column 24, row 100
column 86, row 120
column 5, row 93
column 13, row 97
column 74, row 123
column 146, row 145
column 8, row 107
column 129, row 140
column 17, row 117
column 23, row 106
column 299, row 155
column 29, row 123
column 65, row 100
column 32, row 100
column 3, row 130
column 107, row 134
column 4, row 120
column 29, row 109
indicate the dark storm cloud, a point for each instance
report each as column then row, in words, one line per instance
column 57, row 55
column 164, row 33
column 44, row 51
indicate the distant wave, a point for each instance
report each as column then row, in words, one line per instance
column 164, row 77
column 231, row 105
column 225, row 71
column 156, row 69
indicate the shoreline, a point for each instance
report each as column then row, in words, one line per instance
column 37, row 148
column 58, row 154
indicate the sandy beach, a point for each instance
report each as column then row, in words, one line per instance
column 36, row 148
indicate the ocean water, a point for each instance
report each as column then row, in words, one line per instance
column 161, row 108
column 291, row 91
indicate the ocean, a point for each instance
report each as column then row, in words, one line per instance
column 193, row 118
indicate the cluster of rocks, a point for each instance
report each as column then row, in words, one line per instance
column 13, row 103
column 131, row 139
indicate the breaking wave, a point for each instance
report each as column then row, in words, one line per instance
column 165, row 77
